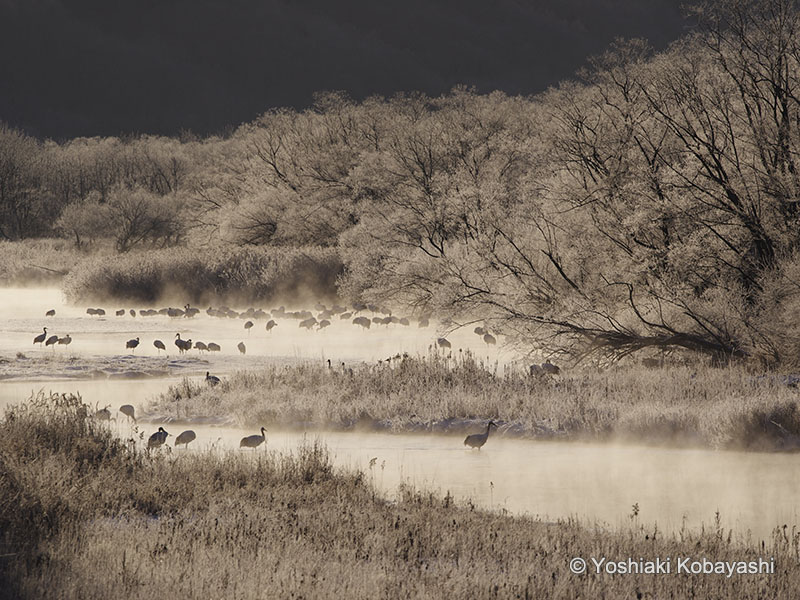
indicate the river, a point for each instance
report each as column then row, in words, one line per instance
column 599, row 484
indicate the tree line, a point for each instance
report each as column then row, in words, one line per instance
column 650, row 204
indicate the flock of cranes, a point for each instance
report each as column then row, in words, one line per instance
column 52, row 340
column 306, row 320
column 159, row 438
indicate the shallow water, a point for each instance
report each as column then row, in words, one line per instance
column 597, row 483
column 672, row 487
column 22, row 317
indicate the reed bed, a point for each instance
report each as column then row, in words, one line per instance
column 87, row 515
column 704, row 407
column 201, row 275
column 42, row 261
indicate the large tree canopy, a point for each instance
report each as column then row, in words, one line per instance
column 652, row 204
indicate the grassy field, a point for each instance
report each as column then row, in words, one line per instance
column 85, row 515
column 42, row 261
column 716, row 408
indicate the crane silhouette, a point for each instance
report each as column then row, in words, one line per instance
column 476, row 440
column 157, row 439
column 128, row 411
column 103, row 414
column 185, row 437
column 254, row 441
column 39, row 339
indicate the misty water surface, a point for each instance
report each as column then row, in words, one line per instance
column 598, row 483
column 22, row 317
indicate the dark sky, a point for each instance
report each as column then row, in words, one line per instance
column 105, row 67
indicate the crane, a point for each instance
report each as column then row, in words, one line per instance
column 185, row 437
column 476, row 440
column 254, row 441
column 157, row 439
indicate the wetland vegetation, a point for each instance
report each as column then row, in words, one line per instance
column 727, row 408
column 85, row 514
column 644, row 213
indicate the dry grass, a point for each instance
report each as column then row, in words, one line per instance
column 41, row 261
column 194, row 275
column 86, row 516
column 717, row 408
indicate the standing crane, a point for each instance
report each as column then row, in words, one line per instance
column 550, row 368
column 39, row 339
column 157, row 439
column 185, row 437
column 103, row 414
column 254, row 441
column 476, row 440
column 128, row 411
column 183, row 345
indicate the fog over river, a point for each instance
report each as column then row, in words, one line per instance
column 596, row 483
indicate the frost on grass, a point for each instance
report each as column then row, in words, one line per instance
column 70, row 366
column 717, row 408
column 84, row 514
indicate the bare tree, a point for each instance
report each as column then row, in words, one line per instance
column 24, row 206
column 138, row 217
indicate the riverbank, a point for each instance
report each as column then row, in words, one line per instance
column 87, row 515
column 711, row 408
column 42, row 262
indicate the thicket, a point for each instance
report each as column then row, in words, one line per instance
column 209, row 275
column 651, row 204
